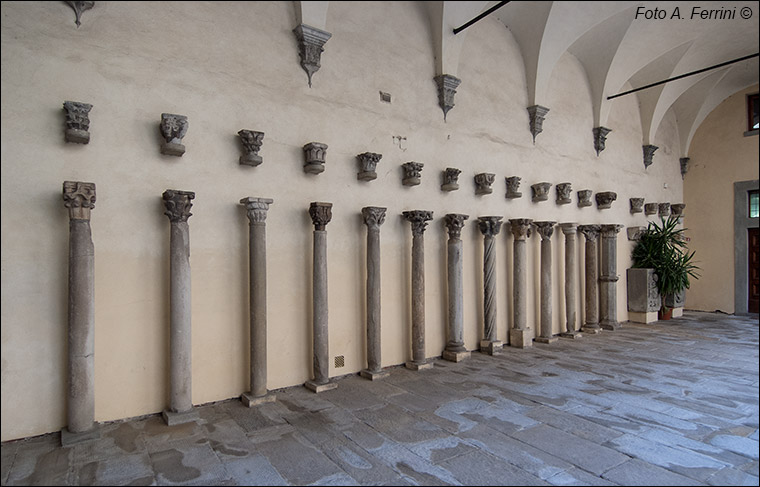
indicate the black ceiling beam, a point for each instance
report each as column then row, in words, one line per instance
column 484, row 14
column 684, row 75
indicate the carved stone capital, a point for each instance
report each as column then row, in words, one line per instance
column 368, row 163
column 564, row 191
column 520, row 228
column 610, row 231
column 256, row 208
column 604, row 199
column 676, row 209
column 537, row 114
column 178, row 204
column 663, row 210
column 651, row 208
column 310, row 42
column 450, row 178
column 545, row 229
column 637, row 205
column 79, row 198
column 649, row 151
column 591, row 232
column 684, row 161
column 447, row 88
column 584, row 198
column 77, row 121
column 314, row 157
column 489, row 225
column 540, row 191
column 513, row 187
column 251, row 141
column 483, row 182
column 600, row 138
column 418, row 219
column 454, row 223
column 173, row 129
column 321, row 214
column 79, row 9
column 374, row 216
column 569, row 228
column 634, row 233
column 412, row 173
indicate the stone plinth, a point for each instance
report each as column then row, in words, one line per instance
column 643, row 296
column 520, row 336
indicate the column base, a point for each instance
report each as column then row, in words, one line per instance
column 249, row 400
column 491, row 348
column 68, row 438
column 591, row 328
column 455, row 356
column 550, row 339
column 419, row 366
column 570, row 334
column 169, row 149
column 521, row 338
column 317, row 388
column 642, row 317
column 172, row 419
column 610, row 325
column 380, row 374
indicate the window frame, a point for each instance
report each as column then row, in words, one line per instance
column 753, row 103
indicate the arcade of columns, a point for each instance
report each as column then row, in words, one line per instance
column 600, row 305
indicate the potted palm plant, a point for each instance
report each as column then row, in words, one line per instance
column 662, row 247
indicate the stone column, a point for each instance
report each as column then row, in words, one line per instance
column 373, row 217
column 418, row 219
column 257, row 263
column 454, row 350
column 591, row 325
column 178, row 204
column 520, row 335
column 321, row 214
column 570, row 230
column 608, row 278
column 546, row 230
column 79, row 198
column 489, row 227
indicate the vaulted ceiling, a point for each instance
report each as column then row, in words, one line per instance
column 621, row 45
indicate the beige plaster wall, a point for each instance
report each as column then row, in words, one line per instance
column 134, row 63
column 709, row 198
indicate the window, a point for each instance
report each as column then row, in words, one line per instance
column 753, row 112
column 754, row 204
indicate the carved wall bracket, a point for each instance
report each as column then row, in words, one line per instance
column 513, row 186
column 368, row 163
column 540, row 191
column 483, row 182
column 649, row 151
column 677, row 209
column 77, row 122
column 637, row 205
column 684, row 161
column 173, row 129
column 584, row 198
column 310, row 42
column 604, row 199
column 314, row 157
column 537, row 114
column 600, row 138
column 564, row 190
column 447, row 88
column 412, row 173
column 663, row 210
column 634, row 233
column 450, row 178
column 252, row 141
column 79, row 9
column 651, row 208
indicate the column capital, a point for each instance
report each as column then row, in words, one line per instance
column 418, row 219
column 79, row 198
column 489, row 225
column 569, row 228
column 178, row 205
column 321, row 214
column 257, row 208
column 520, row 228
column 590, row 231
column 373, row 216
column 454, row 223
column 545, row 229
column 611, row 230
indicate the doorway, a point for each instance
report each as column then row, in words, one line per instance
column 753, row 238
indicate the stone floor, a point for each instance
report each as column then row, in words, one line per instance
column 669, row 403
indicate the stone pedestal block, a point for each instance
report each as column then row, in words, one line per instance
column 455, row 356
column 643, row 296
column 172, row 418
column 521, row 338
column 491, row 347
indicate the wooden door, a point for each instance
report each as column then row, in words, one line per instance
column 753, row 305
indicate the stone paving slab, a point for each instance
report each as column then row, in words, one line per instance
column 671, row 403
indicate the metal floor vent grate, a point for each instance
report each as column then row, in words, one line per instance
column 339, row 361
